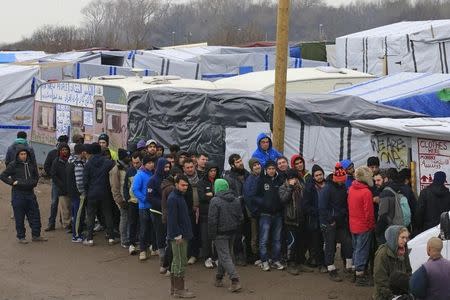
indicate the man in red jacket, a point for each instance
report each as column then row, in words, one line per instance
column 362, row 221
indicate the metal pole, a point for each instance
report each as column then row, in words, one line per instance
column 279, row 110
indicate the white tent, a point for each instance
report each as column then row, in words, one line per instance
column 420, row 46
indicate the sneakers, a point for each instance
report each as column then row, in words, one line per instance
column 209, row 263
column 258, row 263
column 89, row 243
column 50, row 228
column 39, row 239
column 334, row 276
column 235, row 286
column 265, row 266
column 143, row 255
column 23, row 241
column 162, row 270
column 323, row 269
column 218, row 283
column 362, row 280
column 277, row 265
column 132, row 250
column 112, row 241
column 192, row 260
column 124, row 246
column 77, row 240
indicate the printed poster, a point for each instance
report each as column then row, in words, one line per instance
column 62, row 120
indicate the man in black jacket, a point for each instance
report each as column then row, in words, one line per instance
column 22, row 175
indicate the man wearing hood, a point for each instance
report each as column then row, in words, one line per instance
column 103, row 141
column 264, row 151
column 20, row 143
column 22, row 175
column 333, row 217
column 117, row 177
column 206, row 193
column 362, row 221
column 59, row 177
column 154, row 192
column 270, row 219
column 433, row 201
column 224, row 219
column 390, row 257
column 97, row 187
column 298, row 164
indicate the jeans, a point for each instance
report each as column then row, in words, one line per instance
column 75, row 207
column 123, row 226
column 54, row 205
column 133, row 223
column 296, row 244
column 224, row 246
column 270, row 224
column 315, row 246
column 145, row 232
column 194, row 243
column 207, row 244
column 332, row 235
column 104, row 205
column 160, row 231
column 81, row 217
column 179, row 260
column 25, row 204
column 361, row 249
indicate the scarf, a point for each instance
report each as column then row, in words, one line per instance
column 21, row 141
column 401, row 251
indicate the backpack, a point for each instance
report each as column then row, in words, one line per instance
column 402, row 215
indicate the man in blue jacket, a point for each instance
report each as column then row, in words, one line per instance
column 265, row 152
column 179, row 232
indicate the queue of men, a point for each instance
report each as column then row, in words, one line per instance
column 275, row 215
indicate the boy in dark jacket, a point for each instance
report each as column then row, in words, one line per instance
column 179, row 232
column 132, row 202
column 271, row 219
column 22, row 175
column 224, row 218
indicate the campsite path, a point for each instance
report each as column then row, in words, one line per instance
column 60, row 269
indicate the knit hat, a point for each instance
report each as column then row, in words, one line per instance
column 123, row 154
column 150, row 142
column 346, row 164
column 63, row 139
column 316, row 168
column 220, row 185
column 252, row 162
column 339, row 174
column 93, row 148
column 140, row 145
column 103, row 137
column 439, row 177
column 148, row 159
column 271, row 163
column 373, row 161
column 291, row 173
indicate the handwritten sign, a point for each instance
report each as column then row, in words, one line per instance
column 88, row 118
column 68, row 93
column 434, row 155
column 392, row 150
column 62, row 119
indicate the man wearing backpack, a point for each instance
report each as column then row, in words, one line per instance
column 393, row 207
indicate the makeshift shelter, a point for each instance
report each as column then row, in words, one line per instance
column 419, row 46
column 214, row 120
column 17, row 87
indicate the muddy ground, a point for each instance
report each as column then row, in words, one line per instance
column 59, row 269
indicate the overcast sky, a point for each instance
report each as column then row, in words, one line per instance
column 19, row 18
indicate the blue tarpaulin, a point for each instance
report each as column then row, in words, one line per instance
column 6, row 58
column 429, row 104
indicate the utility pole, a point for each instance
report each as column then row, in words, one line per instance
column 279, row 106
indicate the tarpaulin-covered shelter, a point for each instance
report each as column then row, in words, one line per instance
column 419, row 46
column 17, row 87
column 419, row 92
column 201, row 120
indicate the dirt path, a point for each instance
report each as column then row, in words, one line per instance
column 60, row 269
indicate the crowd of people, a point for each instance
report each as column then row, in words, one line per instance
column 275, row 214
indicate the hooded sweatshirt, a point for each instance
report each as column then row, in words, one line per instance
column 12, row 151
column 25, row 173
column 225, row 214
column 139, row 187
column 264, row 156
column 304, row 175
column 388, row 261
column 154, row 186
column 205, row 186
column 433, row 201
column 96, row 178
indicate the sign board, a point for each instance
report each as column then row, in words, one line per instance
column 434, row 155
column 68, row 93
column 62, row 120
column 392, row 150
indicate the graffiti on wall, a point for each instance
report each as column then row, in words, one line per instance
column 392, row 150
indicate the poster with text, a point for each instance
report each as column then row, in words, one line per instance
column 434, row 155
column 62, row 120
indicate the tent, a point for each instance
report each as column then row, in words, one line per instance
column 214, row 120
column 419, row 46
column 17, row 86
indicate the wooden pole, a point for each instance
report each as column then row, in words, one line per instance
column 279, row 111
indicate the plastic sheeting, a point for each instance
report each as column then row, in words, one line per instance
column 427, row 104
column 85, row 70
column 16, row 81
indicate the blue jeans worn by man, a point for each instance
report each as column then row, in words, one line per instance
column 361, row 248
column 270, row 225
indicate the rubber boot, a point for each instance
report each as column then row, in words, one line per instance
column 172, row 284
column 180, row 291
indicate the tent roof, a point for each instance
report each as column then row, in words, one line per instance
column 20, row 56
column 259, row 81
column 397, row 86
column 419, row 127
column 399, row 29
column 16, row 81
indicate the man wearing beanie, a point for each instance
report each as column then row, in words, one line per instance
column 433, row 201
column 224, row 219
column 270, row 219
column 349, row 168
column 311, row 210
column 333, row 217
column 103, row 141
column 251, row 200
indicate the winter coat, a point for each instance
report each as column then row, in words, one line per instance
column 387, row 261
column 74, row 175
column 139, row 187
column 59, row 175
column 291, row 198
column 117, row 177
column 96, row 179
column 333, row 205
column 127, row 185
column 251, row 199
column 264, row 156
column 25, row 173
column 236, row 181
column 224, row 215
column 178, row 217
column 51, row 156
column 167, row 187
column 12, row 151
column 206, row 186
column 311, row 205
column 433, row 201
column 430, row 281
column 304, row 176
column 267, row 192
column 154, row 186
column 360, row 208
